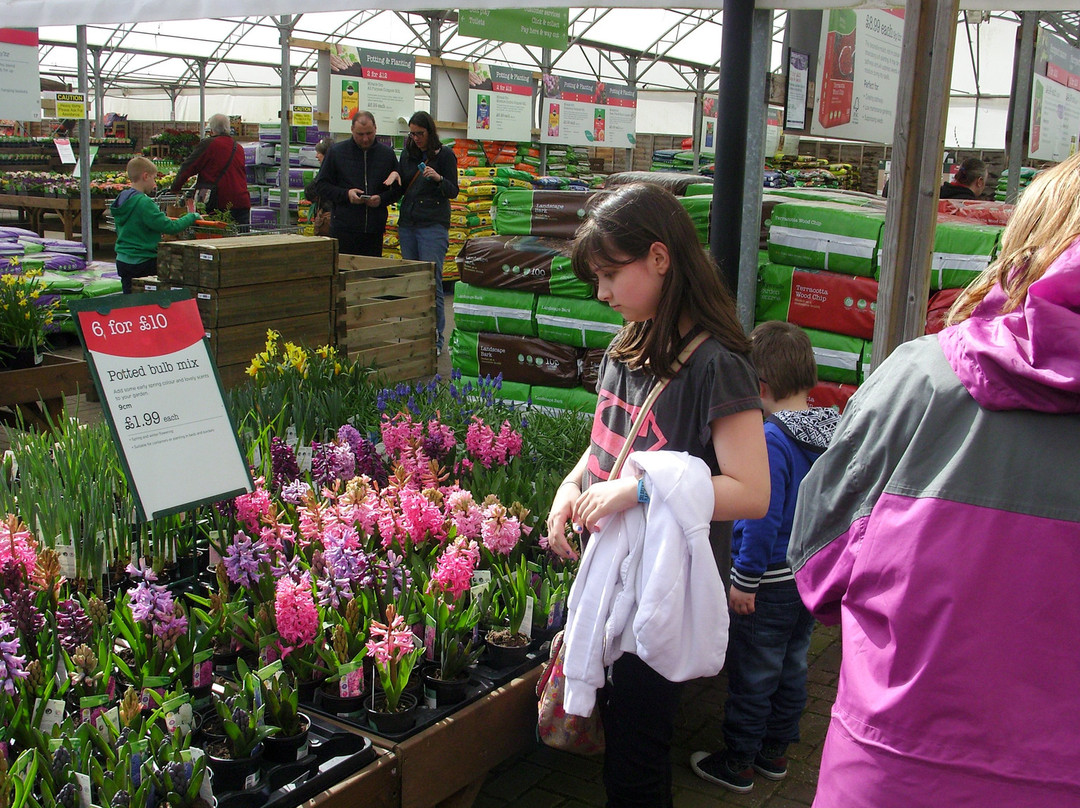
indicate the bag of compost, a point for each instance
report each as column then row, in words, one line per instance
column 590, row 368
column 831, row 394
column 526, row 263
column 962, row 250
column 528, row 360
column 837, row 238
column 540, row 213
column 581, row 323
column 577, row 399
column 811, row 298
column 502, row 311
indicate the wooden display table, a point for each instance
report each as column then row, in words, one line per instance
column 69, row 209
column 36, row 395
column 445, row 765
column 374, row 786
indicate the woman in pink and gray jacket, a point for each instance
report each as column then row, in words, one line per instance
column 942, row 531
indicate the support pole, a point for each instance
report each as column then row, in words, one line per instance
column 202, row 93
column 86, row 227
column 699, row 104
column 731, row 119
column 918, row 138
column 545, row 67
column 99, row 95
column 1020, row 100
column 435, row 49
column 748, row 235
column 631, row 75
column 285, row 26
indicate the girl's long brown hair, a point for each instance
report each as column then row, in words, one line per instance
column 619, row 229
column 1046, row 221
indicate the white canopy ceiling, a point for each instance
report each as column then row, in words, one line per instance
column 36, row 13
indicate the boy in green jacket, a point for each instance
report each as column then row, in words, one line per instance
column 140, row 223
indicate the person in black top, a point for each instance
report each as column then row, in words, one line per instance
column 430, row 181
column 969, row 182
column 358, row 178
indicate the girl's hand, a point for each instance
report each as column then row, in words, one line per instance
column 393, row 179
column 603, row 499
column 558, row 516
column 431, row 174
column 741, row 602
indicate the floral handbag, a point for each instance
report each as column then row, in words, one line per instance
column 556, row 728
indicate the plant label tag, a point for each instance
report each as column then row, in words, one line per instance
column 290, row 436
column 109, row 717
column 66, row 552
column 256, row 456
column 52, row 717
column 202, row 673
column 252, row 780
column 526, row 621
column 206, row 256
column 303, row 458
column 82, row 782
column 301, row 751
column 430, row 698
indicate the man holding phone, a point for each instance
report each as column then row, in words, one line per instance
column 359, row 176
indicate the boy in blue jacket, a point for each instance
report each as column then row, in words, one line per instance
column 770, row 628
column 140, row 223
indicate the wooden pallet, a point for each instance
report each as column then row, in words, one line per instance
column 385, row 315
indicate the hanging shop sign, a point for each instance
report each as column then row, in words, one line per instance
column 1055, row 120
column 302, row 115
column 774, row 128
column 858, row 74
column 163, row 400
column 708, row 124
column 542, row 27
column 20, row 91
column 71, row 106
column 500, row 103
column 797, row 82
column 581, row 112
column 1055, row 99
column 377, row 81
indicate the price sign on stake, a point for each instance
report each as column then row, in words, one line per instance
column 162, row 399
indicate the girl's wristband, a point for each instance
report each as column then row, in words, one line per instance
column 570, row 482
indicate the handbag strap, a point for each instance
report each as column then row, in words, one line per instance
column 227, row 163
column 654, row 394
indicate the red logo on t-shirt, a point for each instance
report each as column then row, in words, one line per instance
column 607, row 437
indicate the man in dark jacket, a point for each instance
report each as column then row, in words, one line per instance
column 219, row 162
column 969, row 182
column 356, row 178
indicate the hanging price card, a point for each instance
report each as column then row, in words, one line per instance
column 162, row 399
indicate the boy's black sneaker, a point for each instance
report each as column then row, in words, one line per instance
column 724, row 770
column 771, row 763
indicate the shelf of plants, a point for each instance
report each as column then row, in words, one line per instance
column 392, row 532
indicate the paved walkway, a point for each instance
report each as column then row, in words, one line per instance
column 547, row 778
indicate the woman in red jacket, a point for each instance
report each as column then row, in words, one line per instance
column 219, row 162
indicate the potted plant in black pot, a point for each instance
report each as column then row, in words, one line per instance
column 454, row 615
column 236, row 760
column 281, row 704
column 507, row 645
column 394, row 649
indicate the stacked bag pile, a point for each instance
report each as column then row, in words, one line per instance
column 1026, row 176
column 65, row 272
column 822, row 269
column 520, row 311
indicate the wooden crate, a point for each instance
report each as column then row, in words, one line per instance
column 237, row 344
column 246, row 260
column 385, row 315
column 237, row 305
